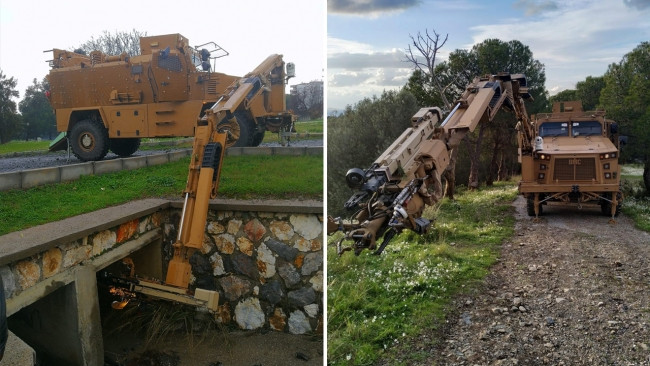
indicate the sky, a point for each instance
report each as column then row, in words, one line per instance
column 249, row 30
column 366, row 39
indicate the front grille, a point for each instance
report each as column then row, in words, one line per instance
column 575, row 169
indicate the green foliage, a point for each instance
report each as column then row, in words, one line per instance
column 23, row 146
column 38, row 116
column 376, row 304
column 360, row 135
column 626, row 98
column 242, row 177
column 114, row 43
column 9, row 118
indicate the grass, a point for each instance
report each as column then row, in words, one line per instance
column 242, row 177
column 23, row 146
column 636, row 203
column 377, row 304
column 314, row 126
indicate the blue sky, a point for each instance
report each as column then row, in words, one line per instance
column 249, row 29
column 366, row 39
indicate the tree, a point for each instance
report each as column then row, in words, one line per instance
column 38, row 116
column 588, row 91
column 114, row 44
column 626, row 98
column 491, row 57
column 306, row 100
column 9, row 119
column 358, row 136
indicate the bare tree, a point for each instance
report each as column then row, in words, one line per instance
column 428, row 46
column 422, row 53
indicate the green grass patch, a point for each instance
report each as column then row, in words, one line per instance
column 376, row 304
column 242, row 177
column 638, row 208
column 636, row 202
column 23, row 146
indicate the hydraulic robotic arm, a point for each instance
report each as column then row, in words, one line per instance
column 393, row 193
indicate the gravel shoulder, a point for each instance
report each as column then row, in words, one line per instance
column 571, row 289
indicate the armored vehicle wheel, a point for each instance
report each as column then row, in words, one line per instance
column 257, row 138
column 246, row 130
column 125, row 147
column 606, row 206
column 89, row 140
column 530, row 207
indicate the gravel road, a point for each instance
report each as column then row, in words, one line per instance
column 58, row 158
column 569, row 290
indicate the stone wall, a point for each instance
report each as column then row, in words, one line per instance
column 267, row 267
column 265, row 260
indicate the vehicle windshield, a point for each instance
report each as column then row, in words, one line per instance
column 587, row 128
column 196, row 59
column 554, row 129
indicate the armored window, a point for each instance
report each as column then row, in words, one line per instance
column 554, row 129
column 170, row 62
column 586, row 128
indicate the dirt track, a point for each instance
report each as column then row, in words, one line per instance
column 569, row 290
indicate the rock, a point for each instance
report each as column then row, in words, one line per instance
column 282, row 230
column 215, row 228
column 202, row 271
column 217, row 264
column 52, row 260
column 278, row 321
column 516, row 301
column 272, row 292
column 288, row 273
column 245, row 265
column 74, row 254
column 298, row 323
column 312, row 263
column 550, row 321
column 28, row 273
column 233, row 226
column 255, row 230
column 245, row 246
column 103, row 241
column 225, row 243
column 8, row 281
column 559, row 300
column 311, row 310
column 307, row 226
column 317, row 281
column 265, row 261
column 234, row 287
column 249, row 315
column 302, row 297
column 284, row 251
column 126, row 230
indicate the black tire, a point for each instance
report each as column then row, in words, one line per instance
column 89, row 140
column 4, row 334
column 257, row 138
column 530, row 207
column 125, row 147
column 246, row 130
column 606, row 206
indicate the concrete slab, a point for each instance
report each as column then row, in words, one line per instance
column 9, row 181
column 74, row 171
column 25, row 243
column 136, row 162
column 36, row 177
column 157, row 159
column 108, row 166
column 18, row 353
column 179, row 154
column 305, row 206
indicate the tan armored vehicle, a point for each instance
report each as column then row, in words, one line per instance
column 574, row 160
column 107, row 102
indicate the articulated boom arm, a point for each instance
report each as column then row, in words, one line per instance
column 393, row 192
column 262, row 91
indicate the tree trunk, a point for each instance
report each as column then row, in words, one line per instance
column 450, row 175
column 474, row 152
column 646, row 174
